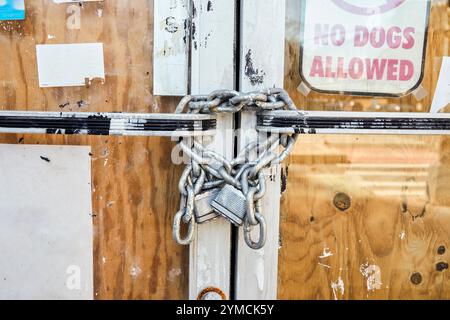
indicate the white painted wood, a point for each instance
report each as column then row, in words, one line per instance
column 170, row 47
column 212, row 60
column 262, row 65
column 46, row 240
column 212, row 69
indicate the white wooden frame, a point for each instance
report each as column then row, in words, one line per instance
column 262, row 66
column 212, row 68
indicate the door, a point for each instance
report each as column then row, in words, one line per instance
column 366, row 216
column 349, row 216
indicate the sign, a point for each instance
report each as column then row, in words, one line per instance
column 12, row 10
column 364, row 47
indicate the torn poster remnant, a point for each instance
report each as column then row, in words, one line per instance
column 12, row 10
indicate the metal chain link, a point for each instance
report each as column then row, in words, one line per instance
column 208, row 169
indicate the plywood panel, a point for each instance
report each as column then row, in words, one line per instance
column 392, row 240
column 134, row 182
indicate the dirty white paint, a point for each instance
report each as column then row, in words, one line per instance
column 135, row 271
column 262, row 65
column 324, row 265
column 212, row 62
column 66, row 65
column 46, row 239
column 212, row 69
column 170, row 47
column 372, row 273
column 338, row 288
column 174, row 274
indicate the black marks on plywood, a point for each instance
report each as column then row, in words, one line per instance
column 63, row 105
column 441, row 250
column 255, row 75
column 45, row 159
column 81, row 104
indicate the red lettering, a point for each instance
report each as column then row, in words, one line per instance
column 375, row 68
column 356, row 68
column 335, row 39
column 392, row 69
column 408, row 34
column 377, row 37
column 394, row 39
column 406, row 70
column 361, row 36
column 340, row 72
column 328, row 72
column 317, row 67
column 321, row 36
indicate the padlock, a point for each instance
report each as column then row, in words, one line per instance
column 203, row 211
column 231, row 204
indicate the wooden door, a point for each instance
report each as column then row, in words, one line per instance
column 134, row 189
column 366, row 217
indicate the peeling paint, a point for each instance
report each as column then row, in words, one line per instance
column 326, row 253
column 174, row 274
column 324, row 265
column 373, row 275
column 338, row 288
column 135, row 271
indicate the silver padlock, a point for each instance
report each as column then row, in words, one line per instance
column 231, row 204
column 203, row 211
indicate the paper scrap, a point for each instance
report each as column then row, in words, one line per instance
column 67, row 65
column 12, row 10
column 442, row 94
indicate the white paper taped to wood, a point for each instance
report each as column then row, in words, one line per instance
column 67, row 65
column 46, row 224
column 442, row 94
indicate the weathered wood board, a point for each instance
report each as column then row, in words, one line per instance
column 134, row 191
column 393, row 240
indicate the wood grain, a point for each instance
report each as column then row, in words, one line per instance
column 393, row 241
column 134, row 182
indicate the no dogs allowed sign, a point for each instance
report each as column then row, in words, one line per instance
column 364, row 47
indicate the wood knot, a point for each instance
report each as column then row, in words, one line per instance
column 342, row 201
column 441, row 266
column 416, row 278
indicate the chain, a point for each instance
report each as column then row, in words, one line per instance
column 208, row 169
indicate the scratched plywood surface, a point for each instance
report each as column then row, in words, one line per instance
column 392, row 242
column 134, row 190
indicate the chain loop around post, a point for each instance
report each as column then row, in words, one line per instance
column 208, row 169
